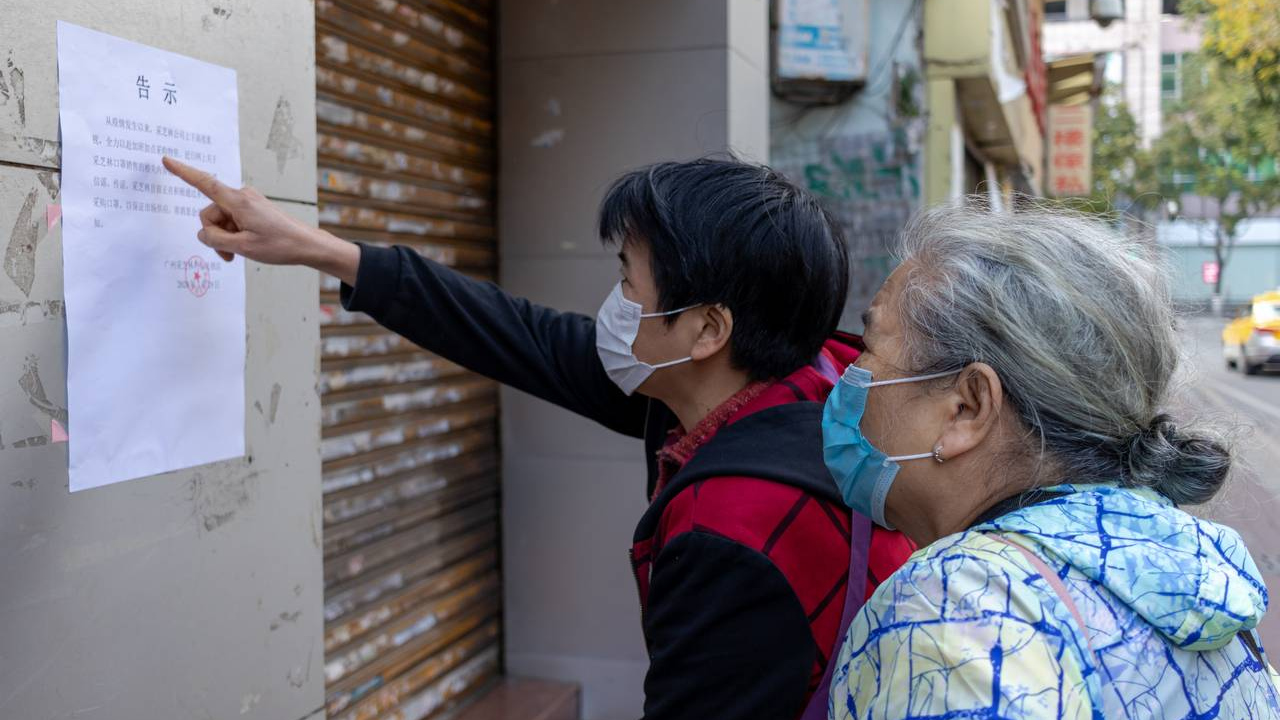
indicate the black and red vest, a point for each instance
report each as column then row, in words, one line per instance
column 760, row 481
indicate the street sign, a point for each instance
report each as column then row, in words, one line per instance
column 1070, row 150
column 1209, row 272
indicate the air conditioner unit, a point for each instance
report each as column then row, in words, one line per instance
column 819, row 49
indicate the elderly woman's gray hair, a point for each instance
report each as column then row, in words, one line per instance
column 1077, row 321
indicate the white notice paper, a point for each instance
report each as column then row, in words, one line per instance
column 155, row 320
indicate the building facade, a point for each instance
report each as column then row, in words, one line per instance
column 950, row 101
column 1143, row 54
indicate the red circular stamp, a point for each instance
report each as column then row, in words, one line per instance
column 197, row 276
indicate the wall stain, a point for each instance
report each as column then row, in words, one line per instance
column 297, row 676
column 33, row 441
column 29, row 483
column 31, row 385
column 275, row 403
column 215, row 503
column 315, row 531
column 285, row 617
column 20, row 255
column 281, row 139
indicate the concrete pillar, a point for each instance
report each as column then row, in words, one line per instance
column 195, row 594
column 942, row 138
column 589, row 90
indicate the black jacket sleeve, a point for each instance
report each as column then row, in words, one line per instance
column 541, row 351
column 728, row 638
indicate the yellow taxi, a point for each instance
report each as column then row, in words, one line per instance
column 1251, row 342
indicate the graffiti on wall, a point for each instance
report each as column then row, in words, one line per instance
column 870, row 183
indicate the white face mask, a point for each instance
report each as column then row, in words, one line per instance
column 617, row 325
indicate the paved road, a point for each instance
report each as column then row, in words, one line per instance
column 1248, row 408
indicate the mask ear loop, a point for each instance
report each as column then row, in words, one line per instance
column 670, row 363
column 918, row 378
column 669, row 312
column 917, row 456
column 936, row 455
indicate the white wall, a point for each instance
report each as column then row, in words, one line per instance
column 589, row 90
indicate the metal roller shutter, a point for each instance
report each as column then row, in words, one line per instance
column 404, row 105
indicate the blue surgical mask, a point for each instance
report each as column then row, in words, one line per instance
column 863, row 473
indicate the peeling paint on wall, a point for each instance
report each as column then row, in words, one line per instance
column 34, row 388
column 20, row 255
column 281, row 139
column 548, row 139
column 13, row 89
column 207, row 21
column 48, row 152
column 275, row 402
column 51, row 182
column 17, row 312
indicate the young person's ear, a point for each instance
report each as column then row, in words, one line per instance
column 716, row 325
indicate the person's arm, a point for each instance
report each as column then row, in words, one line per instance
column 728, row 638
column 532, row 348
column 535, row 349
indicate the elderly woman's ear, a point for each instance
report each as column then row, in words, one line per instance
column 976, row 402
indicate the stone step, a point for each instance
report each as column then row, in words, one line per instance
column 525, row 699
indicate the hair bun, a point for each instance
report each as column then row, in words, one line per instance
column 1186, row 468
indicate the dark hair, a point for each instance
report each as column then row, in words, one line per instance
column 741, row 235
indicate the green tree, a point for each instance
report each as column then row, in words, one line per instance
column 1220, row 143
column 1246, row 35
column 1123, row 177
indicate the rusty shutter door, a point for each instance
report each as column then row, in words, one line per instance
column 404, row 105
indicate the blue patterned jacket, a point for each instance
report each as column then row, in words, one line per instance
column 969, row 629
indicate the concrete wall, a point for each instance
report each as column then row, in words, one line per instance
column 1252, row 269
column 863, row 157
column 588, row 90
column 1253, row 266
column 195, row 594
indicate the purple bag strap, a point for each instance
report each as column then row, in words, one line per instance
column 854, row 596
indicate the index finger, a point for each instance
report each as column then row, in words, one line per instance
column 200, row 180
